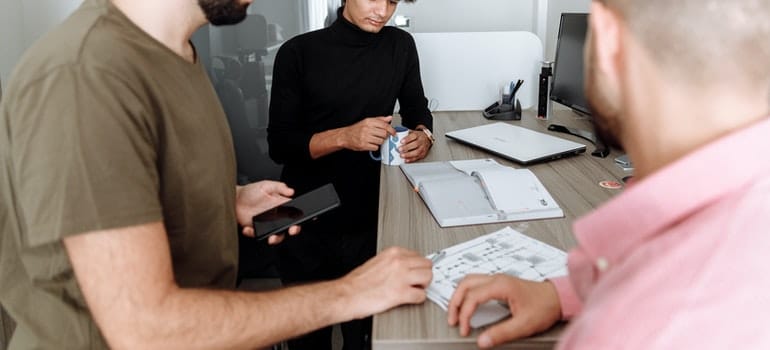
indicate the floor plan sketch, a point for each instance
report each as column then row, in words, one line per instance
column 506, row 251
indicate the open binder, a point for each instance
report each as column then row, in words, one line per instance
column 480, row 191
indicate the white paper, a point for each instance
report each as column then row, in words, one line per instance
column 515, row 191
column 471, row 165
column 505, row 251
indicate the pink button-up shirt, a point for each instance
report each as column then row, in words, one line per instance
column 681, row 259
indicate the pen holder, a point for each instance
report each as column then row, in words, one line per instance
column 503, row 111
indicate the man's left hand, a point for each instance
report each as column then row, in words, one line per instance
column 415, row 146
column 535, row 307
column 257, row 198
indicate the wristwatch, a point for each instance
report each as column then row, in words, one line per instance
column 427, row 132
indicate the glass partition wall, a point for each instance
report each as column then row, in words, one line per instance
column 239, row 60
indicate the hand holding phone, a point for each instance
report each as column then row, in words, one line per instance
column 295, row 211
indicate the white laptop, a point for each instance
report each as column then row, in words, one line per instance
column 516, row 143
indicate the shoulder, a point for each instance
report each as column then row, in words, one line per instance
column 305, row 41
column 57, row 49
column 306, row 46
column 398, row 34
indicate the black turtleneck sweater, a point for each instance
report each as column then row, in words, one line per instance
column 333, row 78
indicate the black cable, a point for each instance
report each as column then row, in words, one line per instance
column 601, row 151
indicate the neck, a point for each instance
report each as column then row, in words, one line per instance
column 673, row 121
column 170, row 22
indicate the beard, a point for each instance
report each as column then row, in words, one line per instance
column 223, row 12
column 604, row 105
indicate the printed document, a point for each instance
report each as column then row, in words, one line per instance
column 506, row 251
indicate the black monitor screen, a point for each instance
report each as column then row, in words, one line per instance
column 568, row 70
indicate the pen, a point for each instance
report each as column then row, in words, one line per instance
column 518, row 86
column 438, row 256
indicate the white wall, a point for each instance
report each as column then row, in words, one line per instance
column 538, row 16
column 11, row 35
column 435, row 16
column 42, row 15
column 555, row 9
column 22, row 22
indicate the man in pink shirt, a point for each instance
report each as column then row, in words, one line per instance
column 679, row 260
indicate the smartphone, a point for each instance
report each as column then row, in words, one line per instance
column 295, row 211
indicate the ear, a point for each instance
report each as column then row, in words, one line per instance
column 605, row 26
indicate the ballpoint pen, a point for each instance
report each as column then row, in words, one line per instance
column 438, row 256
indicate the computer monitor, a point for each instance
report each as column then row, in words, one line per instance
column 567, row 86
column 568, row 69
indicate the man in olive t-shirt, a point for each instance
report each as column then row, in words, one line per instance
column 119, row 204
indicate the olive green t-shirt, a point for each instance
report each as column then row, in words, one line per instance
column 102, row 127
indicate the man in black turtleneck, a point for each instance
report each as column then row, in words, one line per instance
column 333, row 94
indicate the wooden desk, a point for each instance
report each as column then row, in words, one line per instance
column 405, row 221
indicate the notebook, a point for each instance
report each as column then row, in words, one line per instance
column 480, row 191
column 516, row 143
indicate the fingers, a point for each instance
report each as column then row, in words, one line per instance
column 414, row 296
column 275, row 239
column 534, row 307
column 294, row 230
column 285, row 190
column 279, row 188
column 248, row 231
column 510, row 329
column 398, row 251
column 420, row 262
column 420, row 277
column 383, row 127
column 278, row 238
column 370, row 133
column 414, row 147
column 393, row 277
column 374, row 141
column 411, row 259
column 469, row 282
column 384, row 124
column 473, row 298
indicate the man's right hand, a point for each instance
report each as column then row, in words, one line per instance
column 534, row 306
column 368, row 134
column 395, row 276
